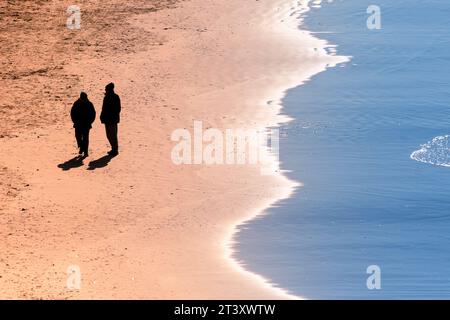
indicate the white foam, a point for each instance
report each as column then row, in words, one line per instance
column 435, row 152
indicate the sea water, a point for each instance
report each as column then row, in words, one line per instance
column 370, row 143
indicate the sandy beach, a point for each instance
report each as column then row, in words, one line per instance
column 139, row 226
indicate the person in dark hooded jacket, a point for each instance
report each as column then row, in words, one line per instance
column 110, row 117
column 83, row 115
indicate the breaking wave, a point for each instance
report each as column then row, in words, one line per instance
column 435, row 152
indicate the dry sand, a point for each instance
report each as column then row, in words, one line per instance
column 139, row 226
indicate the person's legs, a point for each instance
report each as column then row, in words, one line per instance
column 108, row 132
column 115, row 140
column 79, row 137
column 111, row 134
column 86, row 141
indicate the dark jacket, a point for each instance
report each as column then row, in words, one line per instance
column 82, row 114
column 111, row 109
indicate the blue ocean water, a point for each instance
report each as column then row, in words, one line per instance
column 365, row 201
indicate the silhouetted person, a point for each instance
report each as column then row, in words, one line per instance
column 110, row 116
column 83, row 115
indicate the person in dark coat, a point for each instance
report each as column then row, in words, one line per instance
column 110, row 117
column 83, row 115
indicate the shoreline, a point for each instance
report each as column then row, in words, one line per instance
column 199, row 65
column 294, row 17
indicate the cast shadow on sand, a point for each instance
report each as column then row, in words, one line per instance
column 77, row 162
column 73, row 163
column 100, row 163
